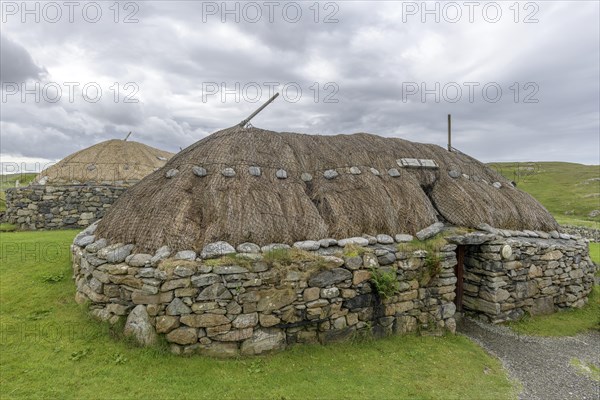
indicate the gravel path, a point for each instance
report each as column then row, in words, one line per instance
column 542, row 365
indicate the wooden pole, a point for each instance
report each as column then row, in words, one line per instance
column 127, row 137
column 245, row 122
column 449, row 133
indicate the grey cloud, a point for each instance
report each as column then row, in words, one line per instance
column 368, row 54
column 16, row 64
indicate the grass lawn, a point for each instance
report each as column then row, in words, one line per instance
column 569, row 191
column 49, row 348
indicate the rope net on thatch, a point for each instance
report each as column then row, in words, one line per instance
column 109, row 162
column 187, row 211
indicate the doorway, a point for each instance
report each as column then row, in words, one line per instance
column 459, row 270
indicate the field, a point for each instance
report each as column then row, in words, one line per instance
column 8, row 181
column 51, row 349
column 569, row 191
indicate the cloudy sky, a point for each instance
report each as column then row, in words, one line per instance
column 521, row 81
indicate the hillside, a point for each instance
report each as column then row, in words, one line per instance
column 571, row 192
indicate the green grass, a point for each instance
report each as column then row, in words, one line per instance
column 5, row 227
column 50, row 349
column 565, row 323
column 353, row 250
column 566, row 220
column 565, row 189
column 8, row 181
column 586, row 369
column 431, row 245
column 595, row 252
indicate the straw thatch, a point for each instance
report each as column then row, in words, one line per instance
column 112, row 162
column 187, row 211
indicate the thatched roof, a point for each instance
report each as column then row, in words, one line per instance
column 109, row 162
column 187, row 211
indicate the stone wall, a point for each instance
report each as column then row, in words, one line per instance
column 58, row 207
column 588, row 233
column 228, row 301
column 250, row 300
column 508, row 277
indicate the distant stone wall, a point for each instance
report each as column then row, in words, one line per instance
column 58, row 207
column 507, row 277
column 588, row 233
column 226, row 302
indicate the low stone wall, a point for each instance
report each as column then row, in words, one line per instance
column 248, row 300
column 226, row 302
column 588, row 233
column 58, row 207
column 507, row 277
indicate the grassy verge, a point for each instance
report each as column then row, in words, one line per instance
column 50, row 349
column 565, row 323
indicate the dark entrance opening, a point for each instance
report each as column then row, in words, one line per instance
column 459, row 271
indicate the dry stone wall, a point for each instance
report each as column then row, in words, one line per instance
column 508, row 277
column 58, row 207
column 588, row 233
column 251, row 300
column 248, row 300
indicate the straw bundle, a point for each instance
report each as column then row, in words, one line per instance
column 187, row 211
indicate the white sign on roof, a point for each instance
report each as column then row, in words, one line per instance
column 428, row 164
column 408, row 162
column 416, row 163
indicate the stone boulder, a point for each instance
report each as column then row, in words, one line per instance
column 403, row 238
column 139, row 327
column 189, row 255
column 264, row 340
column 542, row 306
column 330, row 277
column 307, row 245
column 115, row 253
column 83, row 241
column 248, row 248
column 216, row 249
column 274, row 299
column 178, row 307
column 160, row 254
column 138, row 260
column 357, row 241
column 430, row 231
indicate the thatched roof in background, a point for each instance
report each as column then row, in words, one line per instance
column 188, row 211
column 109, row 162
